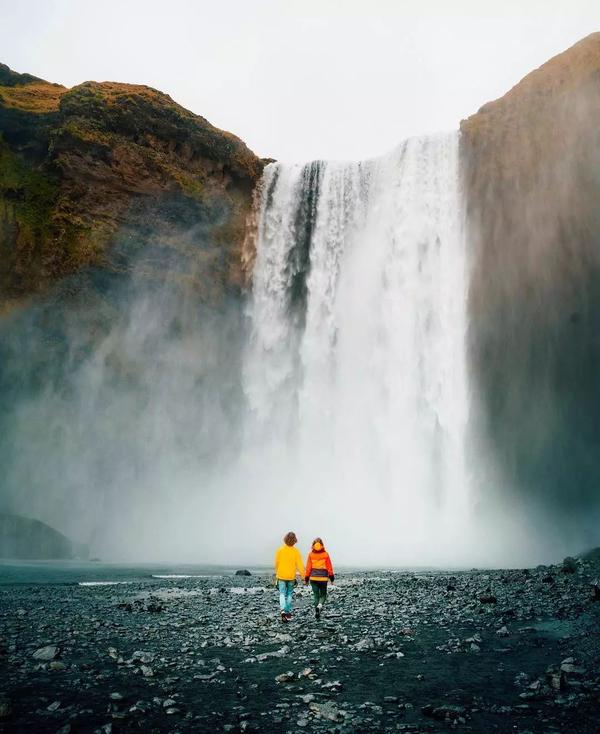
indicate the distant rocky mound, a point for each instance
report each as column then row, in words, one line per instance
column 26, row 539
column 532, row 178
column 90, row 176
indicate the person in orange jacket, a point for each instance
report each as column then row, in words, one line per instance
column 288, row 561
column 318, row 571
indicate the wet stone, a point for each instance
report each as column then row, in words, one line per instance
column 285, row 677
column 5, row 706
column 49, row 652
column 393, row 652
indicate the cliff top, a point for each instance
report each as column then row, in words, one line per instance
column 81, row 166
column 124, row 108
column 561, row 74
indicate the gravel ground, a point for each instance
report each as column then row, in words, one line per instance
column 478, row 651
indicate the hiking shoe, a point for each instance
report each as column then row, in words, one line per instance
column 318, row 612
column 284, row 617
column 288, row 616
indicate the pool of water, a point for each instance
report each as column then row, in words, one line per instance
column 92, row 573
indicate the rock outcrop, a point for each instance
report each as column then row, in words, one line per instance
column 27, row 539
column 105, row 173
column 532, row 163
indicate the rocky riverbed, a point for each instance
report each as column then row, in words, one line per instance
column 476, row 651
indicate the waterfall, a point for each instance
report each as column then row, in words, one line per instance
column 354, row 371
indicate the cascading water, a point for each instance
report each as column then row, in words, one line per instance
column 355, row 368
column 333, row 402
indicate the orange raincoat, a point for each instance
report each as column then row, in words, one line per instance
column 318, row 565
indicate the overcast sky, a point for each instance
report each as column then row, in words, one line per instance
column 301, row 79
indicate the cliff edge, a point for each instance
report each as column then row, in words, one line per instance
column 101, row 164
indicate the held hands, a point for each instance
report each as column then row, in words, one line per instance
column 306, row 581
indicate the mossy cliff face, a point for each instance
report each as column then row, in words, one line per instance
column 532, row 179
column 94, row 175
column 122, row 220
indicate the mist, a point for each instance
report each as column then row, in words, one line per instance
column 149, row 422
column 121, row 400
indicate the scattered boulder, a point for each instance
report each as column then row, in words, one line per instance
column 446, row 712
column 142, row 657
column 556, row 679
column 243, row 572
column 364, row 644
column 570, row 669
column 569, row 565
column 285, row 677
column 327, row 711
column 49, row 652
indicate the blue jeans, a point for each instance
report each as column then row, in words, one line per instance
column 286, row 593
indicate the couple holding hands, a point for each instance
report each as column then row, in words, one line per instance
column 318, row 572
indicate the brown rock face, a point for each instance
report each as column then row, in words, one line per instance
column 85, row 171
column 532, row 179
column 122, row 223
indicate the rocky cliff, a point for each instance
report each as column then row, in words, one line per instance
column 532, row 178
column 122, row 220
column 104, row 174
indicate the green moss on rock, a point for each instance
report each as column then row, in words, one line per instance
column 79, row 167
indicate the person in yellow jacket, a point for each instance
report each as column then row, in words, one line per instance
column 288, row 561
column 319, row 570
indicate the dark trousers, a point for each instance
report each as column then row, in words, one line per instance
column 319, row 590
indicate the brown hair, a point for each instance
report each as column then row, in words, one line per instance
column 319, row 540
column 290, row 538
